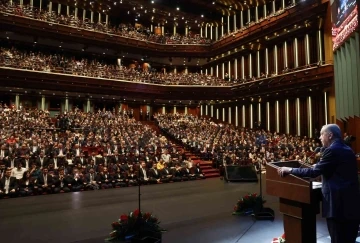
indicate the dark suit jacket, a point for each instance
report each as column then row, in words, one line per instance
column 12, row 185
column 45, row 162
column 141, row 173
column 40, row 180
column 154, row 175
column 340, row 186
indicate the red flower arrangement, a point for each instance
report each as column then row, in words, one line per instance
column 280, row 239
column 134, row 224
column 248, row 204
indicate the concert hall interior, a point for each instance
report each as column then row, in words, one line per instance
column 100, row 99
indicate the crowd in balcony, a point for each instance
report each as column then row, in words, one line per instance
column 38, row 61
column 83, row 151
column 225, row 144
column 254, row 22
column 123, row 30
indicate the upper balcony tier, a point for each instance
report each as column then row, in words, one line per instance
column 25, row 20
column 291, row 83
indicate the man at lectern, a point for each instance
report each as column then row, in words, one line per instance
column 340, row 186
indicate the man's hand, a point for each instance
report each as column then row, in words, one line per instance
column 283, row 171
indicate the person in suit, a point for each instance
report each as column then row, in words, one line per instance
column 2, row 170
column 4, row 154
column 8, row 185
column 144, row 174
column 90, row 180
column 44, row 182
column 155, row 175
column 26, row 184
column 119, row 179
column 76, row 181
column 166, row 173
column 41, row 160
column 76, row 151
column 132, row 177
column 340, row 186
column 61, row 182
column 198, row 172
column 104, row 179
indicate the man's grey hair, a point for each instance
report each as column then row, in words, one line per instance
column 332, row 128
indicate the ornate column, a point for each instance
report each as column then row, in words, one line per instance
column 241, row 19
column 277, row 116
column 287, row 116
column 296, row 53
column 236, row 68
column 307, row 49
column 66, row 108
column 88, row 105
column 43, row 103
column 310, row 120
column 229, row 116
column 236, row 116
column 251, row 116
column 298, row 123
column 268, row 116
column 222, row 26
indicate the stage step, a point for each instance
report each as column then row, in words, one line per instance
column 212, row 175
column 211, row 170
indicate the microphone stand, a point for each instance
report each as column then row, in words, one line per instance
column 263, row 213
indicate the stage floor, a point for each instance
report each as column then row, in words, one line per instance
column 196, row 211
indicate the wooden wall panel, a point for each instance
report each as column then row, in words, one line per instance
column 280, row 57
column 271, row 60
column 303, row 117
column 272, row 116
column 318, row 110
column 239, row 67
column 290, row 53
column 195, row 111
column 292, row 116
column 254, row 64
column 301, row 51
column 246, row 67
column 313, row 47
column 180, row 109
column 262, row 61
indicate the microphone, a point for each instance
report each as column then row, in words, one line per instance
column 316, row 150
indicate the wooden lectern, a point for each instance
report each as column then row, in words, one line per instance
column 299, row 201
